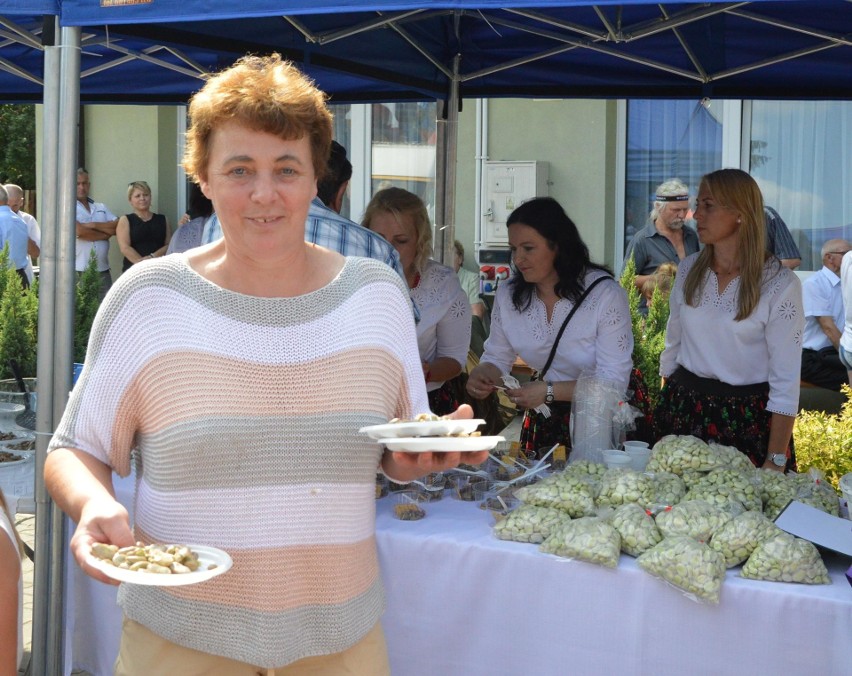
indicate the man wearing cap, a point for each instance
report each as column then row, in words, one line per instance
column 665, row 237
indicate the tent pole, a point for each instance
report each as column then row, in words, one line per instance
column 44, row 368
column 445, row 172
column 64, row 303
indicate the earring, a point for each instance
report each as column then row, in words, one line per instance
column 739, row 220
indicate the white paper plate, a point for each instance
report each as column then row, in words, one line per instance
column 206, row 556
column 440, row 444
column 429, row 428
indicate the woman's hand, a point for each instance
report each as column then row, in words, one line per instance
column 100, row 521
column 528, row 395
column 482, row 380
column 407, row 466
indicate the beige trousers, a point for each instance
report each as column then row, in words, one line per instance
column 144, row 653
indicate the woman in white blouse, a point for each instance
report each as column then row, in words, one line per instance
column 553, row 271
column 733, row 342
column 443, row 332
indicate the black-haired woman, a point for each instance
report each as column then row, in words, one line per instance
column 553, row 274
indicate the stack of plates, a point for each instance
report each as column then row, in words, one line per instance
column 431, row 435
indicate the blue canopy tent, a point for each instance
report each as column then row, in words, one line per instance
column 158, row 51
column 404, row 50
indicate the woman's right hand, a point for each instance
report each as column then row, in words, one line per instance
column 100, row 521
column 481, row 381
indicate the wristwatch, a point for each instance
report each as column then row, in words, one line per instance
column 778, row 459
column 548, row 398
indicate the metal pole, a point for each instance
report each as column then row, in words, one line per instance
column 44, row 383
column 64, row 305
column 445, row 172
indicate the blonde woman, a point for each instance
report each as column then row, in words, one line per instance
column 11, row 593
column 142, row 234
column 443, row 332
column 733, row 341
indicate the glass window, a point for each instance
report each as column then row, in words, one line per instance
column 801, row 156
column 667, row 139
column 342, row 133
column 403, row 148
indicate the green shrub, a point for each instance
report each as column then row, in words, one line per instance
column 18, row 321
column 649, row 332
column 87, row 300
column 824, row 440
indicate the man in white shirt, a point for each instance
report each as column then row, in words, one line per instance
column 16, row 201
column 824, row 320
column 95, row 226
column 13, row 233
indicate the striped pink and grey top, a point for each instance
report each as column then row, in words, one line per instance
column 241, row 415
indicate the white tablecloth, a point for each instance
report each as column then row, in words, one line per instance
column 461, row 602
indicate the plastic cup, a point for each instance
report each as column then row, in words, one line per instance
column 639, row 453
column 635, row 445
column 846, row 489
column 614, row 457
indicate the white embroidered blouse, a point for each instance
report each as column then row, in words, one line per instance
column 766, row 346
column 444, row 326
column 597, row 340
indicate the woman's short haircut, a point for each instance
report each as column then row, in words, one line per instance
column 266, row 94
column 138, row 185
column 398, row 202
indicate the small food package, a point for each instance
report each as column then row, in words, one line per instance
column 587, row 468
column 572, row 494
column 592, row 539
column 696, row 519
column 405, row 506
column 623, row 486
column 731, row 457
column 682, row 453
column 722, row 485
column 815, row 491
column 737, row 539
column 785, row 558
column 530, row 523
column 687, row 564
column 776, row 491
column 666, row 488
column 637, row 529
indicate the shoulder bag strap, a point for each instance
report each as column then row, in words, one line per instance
column 576, row 307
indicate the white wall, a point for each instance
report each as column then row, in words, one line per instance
column 576, row 138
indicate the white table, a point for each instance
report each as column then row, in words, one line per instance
column 461, row 602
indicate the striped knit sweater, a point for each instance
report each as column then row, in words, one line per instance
column 244, row 415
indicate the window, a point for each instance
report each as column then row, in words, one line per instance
column 399, row 149
column 667, row 139
column 801, row 156
column 799, row 152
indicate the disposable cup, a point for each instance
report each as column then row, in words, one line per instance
column 614, row 457
column 846, row 489
column 635, row 445
column 639, row 453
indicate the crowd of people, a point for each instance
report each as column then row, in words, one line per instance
column 279, row 317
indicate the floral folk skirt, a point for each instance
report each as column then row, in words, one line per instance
column 540, row 434
column 733, row 415
column 444, row 400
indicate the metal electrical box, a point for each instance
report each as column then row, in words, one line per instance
column 507, row 185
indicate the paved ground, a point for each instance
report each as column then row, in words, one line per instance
column 25, row 524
